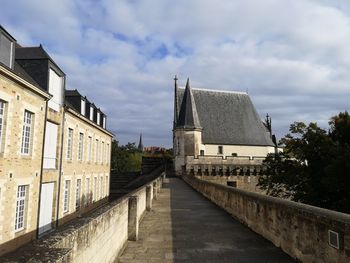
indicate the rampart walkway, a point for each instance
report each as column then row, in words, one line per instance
column 183, row 226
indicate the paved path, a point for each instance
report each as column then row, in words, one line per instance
column 183, row 226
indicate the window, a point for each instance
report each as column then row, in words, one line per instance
column 87, row 191
column 77, row 194
column 81, row 146
column 56, row 89
column 50, row 146
column 101, row 187
column 21, row 207
column 6, row 51
column 89, row 149
column 220, row 149
column 27, row 132
column 104, row 122
column 2, row 123
column 66, row 196
column 103, row 153
column 96, row 151
column 107, row 154
column 202, row 152
column 107, row 185
column 95, row 189
column 178, row 147
column 98, row 118
column 70, row 144
column 82, row 106
column 91, row 113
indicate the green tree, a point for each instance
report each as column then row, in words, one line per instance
column 314, row 167
column 125, row 158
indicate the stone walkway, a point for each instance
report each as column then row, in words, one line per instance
column 183, row 226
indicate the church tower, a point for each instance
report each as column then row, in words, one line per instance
column 140, row 146
column 187, row 128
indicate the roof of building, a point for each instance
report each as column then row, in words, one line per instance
column 28, row 53
column 188, row 116
column 31, row 53
column 23, row 74
column 226, row 118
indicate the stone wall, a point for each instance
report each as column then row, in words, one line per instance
column 99, row 236
column 247, row 183
column 302, row 231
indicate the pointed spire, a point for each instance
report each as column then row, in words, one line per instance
column 175, row 103
column 140, row 146
column 188, row 116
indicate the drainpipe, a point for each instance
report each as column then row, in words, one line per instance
column 41, row 170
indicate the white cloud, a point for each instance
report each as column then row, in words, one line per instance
column 292, row 56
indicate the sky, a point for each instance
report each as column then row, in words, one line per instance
column 291, row 56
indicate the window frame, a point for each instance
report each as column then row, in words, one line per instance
column 81, row 146
column 3, row 122
column 69, row 155
column 66, row 196
column 78, row 194
column 87, row 191
column 220, row 149
column 27, row 133
column 21, row 207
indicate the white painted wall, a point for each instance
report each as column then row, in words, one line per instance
column 240, row 150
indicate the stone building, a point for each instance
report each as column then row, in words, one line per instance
column 55, row 148
column 218, row 133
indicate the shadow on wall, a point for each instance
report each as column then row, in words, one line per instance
column 203, row 232
column 20, row 240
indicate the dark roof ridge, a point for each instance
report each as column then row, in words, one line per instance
column 218, row 90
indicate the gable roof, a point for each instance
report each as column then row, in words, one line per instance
column 227, row 118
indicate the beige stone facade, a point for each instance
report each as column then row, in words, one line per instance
column 86, row 168
column 19, row 169
column 54, row 156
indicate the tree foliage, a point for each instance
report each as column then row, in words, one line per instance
column 125, row 158
column 314, row 167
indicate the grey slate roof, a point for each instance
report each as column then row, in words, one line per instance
column 227, row 118
column 31, row 53
column 188, row 116
column 23, row 74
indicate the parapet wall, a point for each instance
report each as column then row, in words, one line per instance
column 302, row 231
column 98, row 237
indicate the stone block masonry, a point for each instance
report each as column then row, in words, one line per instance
column 100, row 236
column 307, row 233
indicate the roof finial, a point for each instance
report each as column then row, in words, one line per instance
column 175, row 78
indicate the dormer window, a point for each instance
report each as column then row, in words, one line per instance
column 82, row 107
column 104, row 122
column 91, row 113
column 6, row 50
column 98, row 118
column 56, row 90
